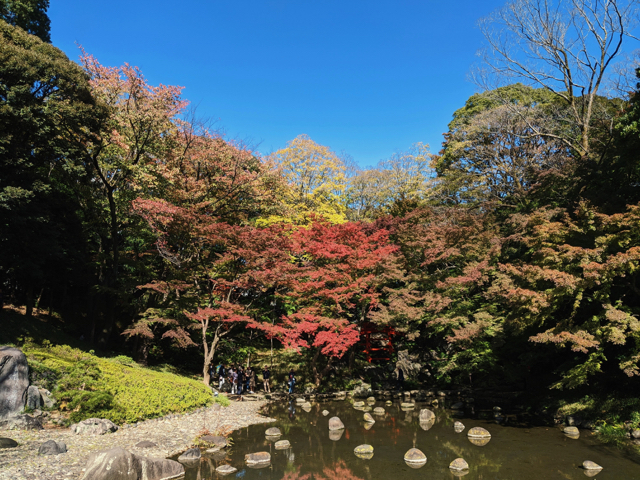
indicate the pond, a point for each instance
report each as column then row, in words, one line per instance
column 516, row 450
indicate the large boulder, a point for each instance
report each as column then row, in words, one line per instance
column 21, row 422
column 118, row 464
column 14, row 381
column 51, row 447
column 8, row 443
column 93, row 426
column 258, row 458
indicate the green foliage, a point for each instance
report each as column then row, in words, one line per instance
column 30, row 15
column 93, row 386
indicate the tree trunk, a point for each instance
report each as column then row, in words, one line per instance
column 29, row 301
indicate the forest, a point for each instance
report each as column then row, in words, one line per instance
column 508, row 259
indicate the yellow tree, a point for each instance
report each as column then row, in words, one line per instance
column 315, row 182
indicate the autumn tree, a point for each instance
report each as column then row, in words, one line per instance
column 566, row 48
column 315, row 181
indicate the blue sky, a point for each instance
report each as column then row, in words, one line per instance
column 365, row 78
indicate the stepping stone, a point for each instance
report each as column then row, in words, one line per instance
column 272, row 432
column 589, row 465
column 259, row 458
column 427, row 415
column 51, row 447
column 378, row 411
column 415, row 458
column 226, row 469
column 364, row 451
column 325, row 412
column 458, row 427
column 368, row 418
column 282, row 445
column 146, row 444
column 478, row 432
column 459, row 464
column 335, row 424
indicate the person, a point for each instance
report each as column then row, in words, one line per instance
column 240, row 381
column 234, row 381
column 266, row 375
column 252, row 381
column 292, row 381
column 400, row 383
column 247, row 380
column 221, row 376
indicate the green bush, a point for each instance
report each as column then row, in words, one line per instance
column 90, row 386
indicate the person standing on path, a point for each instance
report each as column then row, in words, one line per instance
column 292, row 381
column 266, row 375
column 252, row 381
column 240, row 380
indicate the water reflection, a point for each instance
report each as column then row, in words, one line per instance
column 319, row 454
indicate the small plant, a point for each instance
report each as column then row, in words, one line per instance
column 124, row 360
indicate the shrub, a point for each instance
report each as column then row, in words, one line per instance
column 91, row 386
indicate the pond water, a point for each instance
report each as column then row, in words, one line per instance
column 516, row 450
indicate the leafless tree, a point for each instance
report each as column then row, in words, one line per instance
column 564, row 46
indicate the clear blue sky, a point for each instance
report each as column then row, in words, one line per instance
column 365, row 77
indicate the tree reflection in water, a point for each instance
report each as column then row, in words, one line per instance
column 337, row 471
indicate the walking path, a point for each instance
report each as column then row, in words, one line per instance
column 172, row 434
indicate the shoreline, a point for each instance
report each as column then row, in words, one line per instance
column 173, row 434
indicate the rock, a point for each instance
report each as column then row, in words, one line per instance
column 426, row 415
column 457, row 406
column 362, row 391
column 21, row 422
column 300, row 400
column 368, row 426
column 426, row 425
column 589, row 465
column 259, row 458
column 226, row 469
column 371, row 400
column 458, row 427
column 306, row 405
column 407, row 406
column 434, row 402
column 364, row 451
column 34, row 400
column 479, row 442
column 47, row 400
column 216, row 440
column 635, row 433
column 335, row 424
column 378, row 411
column 7, row 443
column 14, row 381
column 388, row 403
column 442, row 394
column 335, row 435
column 497, row 409
column 51, row 447
column 368, row 418
column 366, row 409
column 478, row 432
column 325, row 413
column 118, row 464
column 459, row 464
column 358, row 404
column 146, row 444
column 273, row 431
column 415, row 456
column 282, row 445
column 93, row 426
column 192, row 455
column 571, row 430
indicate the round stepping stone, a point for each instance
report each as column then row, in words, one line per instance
column 335, row 435
column 426, row 425
column 571, row 430
column 325, row 412
column 415, row 458
column 378, row 411
column 427, row 415
column 589, row 465
column 272, row 432
column 478, row 432
column 335, row 424
column 459, row 464
column 388, row 403
column 371, row 400
column 364, row 451
column 282, row 445
column 258, row 458
column 368, row 418
column 358, row 404
column 8, row 443
column 458, row 427
column 226, row 469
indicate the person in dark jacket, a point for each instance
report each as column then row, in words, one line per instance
column 266, row 375
column 292, row 381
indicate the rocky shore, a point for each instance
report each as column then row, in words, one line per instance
column 171, row 434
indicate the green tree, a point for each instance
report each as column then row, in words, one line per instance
column 30, row 15
column 46, row 112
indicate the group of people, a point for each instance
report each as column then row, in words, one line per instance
column 243, row 380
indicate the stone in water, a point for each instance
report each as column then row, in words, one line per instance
column 459, row 464
column 335, row 424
